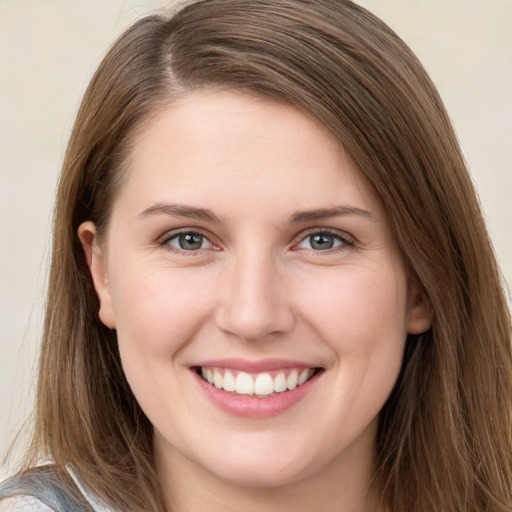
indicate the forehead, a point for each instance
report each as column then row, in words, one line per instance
column 224, row 146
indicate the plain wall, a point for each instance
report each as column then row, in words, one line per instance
column 48, row 52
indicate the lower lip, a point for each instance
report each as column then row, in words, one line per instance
column 255, row 407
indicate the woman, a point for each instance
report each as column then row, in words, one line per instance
column 271, row 284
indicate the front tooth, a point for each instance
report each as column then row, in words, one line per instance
column 244, row 384
column 263, row 385
column 303, row 377
column 229, row 382
column 209, row 376
column 280, row 383
column 218, row 379
column 291, row 381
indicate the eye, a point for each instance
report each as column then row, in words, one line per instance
column 323, row 241
column 189, row 241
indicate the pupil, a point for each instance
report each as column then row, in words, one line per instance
column 321, row 241
column 190, row 241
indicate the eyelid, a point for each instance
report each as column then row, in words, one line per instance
column 346, row 239
column 164, row 239
column 177, row 237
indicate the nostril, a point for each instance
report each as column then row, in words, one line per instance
column 254, row 322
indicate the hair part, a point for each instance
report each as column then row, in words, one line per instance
column 445, row 434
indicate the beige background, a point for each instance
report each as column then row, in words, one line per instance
column 49, row 50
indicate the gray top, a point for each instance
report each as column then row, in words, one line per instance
column 41, row 489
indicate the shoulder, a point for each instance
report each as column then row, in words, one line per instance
column 43, row 488
column 23, row 504
column 48, row 488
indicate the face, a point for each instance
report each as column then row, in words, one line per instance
column 259, row 299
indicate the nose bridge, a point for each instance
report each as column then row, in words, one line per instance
column 253, row 303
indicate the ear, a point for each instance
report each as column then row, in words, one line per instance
column 97, row 267
column 420, row 316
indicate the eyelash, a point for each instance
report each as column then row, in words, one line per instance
column 345, row 241
column 168, row 237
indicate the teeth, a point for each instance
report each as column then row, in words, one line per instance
column 244, row 384
column 292, row 380
column 261, row 385
column 218, row 379
column 303, row 377
column 229, row 382
column 280, row 383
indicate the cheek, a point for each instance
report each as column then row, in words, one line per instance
column 158, row 310
column 360, row 299
column 158, row 313
column 363, row 318
column 362, row 315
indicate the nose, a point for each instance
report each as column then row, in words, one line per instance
column 253, row 304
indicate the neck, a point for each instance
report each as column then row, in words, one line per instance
column 344, row 485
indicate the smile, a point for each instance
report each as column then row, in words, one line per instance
column 255, row 389
column 261, row 385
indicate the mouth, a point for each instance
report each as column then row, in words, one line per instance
column 265, row 384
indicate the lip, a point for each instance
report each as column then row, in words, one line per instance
column 243, row 365
column 251, row 406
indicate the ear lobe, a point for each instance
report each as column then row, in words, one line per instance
column 420, row 316
column 97, row 267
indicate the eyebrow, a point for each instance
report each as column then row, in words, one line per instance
column 178, row 210
column 191, row 212
column 327, row 213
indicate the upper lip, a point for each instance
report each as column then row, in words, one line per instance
column 244, row 365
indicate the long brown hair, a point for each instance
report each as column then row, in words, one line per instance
column 445, row 435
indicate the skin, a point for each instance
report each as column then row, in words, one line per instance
column 256, row 288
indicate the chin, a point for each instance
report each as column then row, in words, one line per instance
column 259, row 471
column 260, row 477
